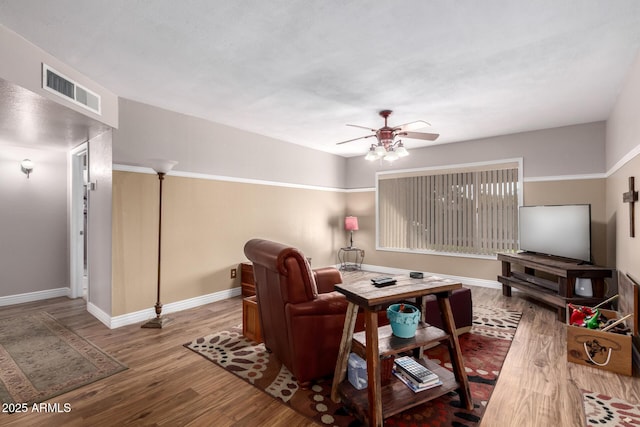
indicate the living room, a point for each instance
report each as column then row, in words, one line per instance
column 231, row 185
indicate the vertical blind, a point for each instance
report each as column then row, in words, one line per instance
column 471, row 212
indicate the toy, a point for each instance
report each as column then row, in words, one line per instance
column 617, row 326
column 593, row 322
column 578, row 314
column 584, row 316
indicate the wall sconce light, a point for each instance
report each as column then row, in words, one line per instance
column 27, row 167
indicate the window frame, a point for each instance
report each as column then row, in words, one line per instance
column 462, row 167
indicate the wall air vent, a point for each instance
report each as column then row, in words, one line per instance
column 61, row 85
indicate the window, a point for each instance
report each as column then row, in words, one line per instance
column 468, row 209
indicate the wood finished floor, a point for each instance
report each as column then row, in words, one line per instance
column 168, row 385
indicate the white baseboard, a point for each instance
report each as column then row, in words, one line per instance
column 493, row 284
column 125, row 319
column 172, row 307
column 147, row 314
column 34, row 296
column 99, row 314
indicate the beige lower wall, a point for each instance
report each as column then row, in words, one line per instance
column 590, row 191
column 623, row 248
column 362, row 204
column 205, row 226
column 207, row 222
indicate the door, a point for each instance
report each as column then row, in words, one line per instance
column 79, row 264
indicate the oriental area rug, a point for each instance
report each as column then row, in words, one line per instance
column 602, row 410
column 40, row 358
column 484, row 350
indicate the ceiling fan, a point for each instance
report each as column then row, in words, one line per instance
column 388, row 147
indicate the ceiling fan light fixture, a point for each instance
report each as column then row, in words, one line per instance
column 371, row 155
column 391, row 155
column 401, row 151
column 386, row 135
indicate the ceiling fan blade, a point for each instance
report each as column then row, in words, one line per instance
column 420, row 135
column 363, row 127
column 354, row 139
column 419, row 124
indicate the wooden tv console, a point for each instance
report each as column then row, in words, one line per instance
column 557, row 287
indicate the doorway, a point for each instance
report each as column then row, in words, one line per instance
column 79, row 259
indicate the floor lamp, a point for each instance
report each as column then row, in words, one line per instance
column 162, row 167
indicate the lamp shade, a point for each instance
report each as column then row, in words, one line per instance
column 161, row 165
column 371, row 154
column 391, row 155
column 401, row 151
column 27, row 166
column 351, row 223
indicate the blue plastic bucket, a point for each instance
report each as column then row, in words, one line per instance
column 403, row 325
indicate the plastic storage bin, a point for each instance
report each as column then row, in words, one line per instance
column 357, row 371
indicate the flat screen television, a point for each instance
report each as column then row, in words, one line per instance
column 559, row 230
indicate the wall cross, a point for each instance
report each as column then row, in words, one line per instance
column 631, row 197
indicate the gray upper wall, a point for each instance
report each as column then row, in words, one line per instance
column 201, row 146
column 623, row 126
column 34, row 236
column 569, row 150
column 99, row 223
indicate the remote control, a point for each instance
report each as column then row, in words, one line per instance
column 414, row 369
column 383, row 281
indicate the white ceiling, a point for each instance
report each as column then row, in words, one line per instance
column 300, row 70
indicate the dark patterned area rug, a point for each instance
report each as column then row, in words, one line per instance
column 40, row 359
column 602, row 410
column 484, row 350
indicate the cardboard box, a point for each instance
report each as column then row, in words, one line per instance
column 603, row 350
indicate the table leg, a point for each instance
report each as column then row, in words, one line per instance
column 418, row 352
column 506, row 290
column 454, row 350
column 374, row 387
column 345, row 349
column 506, row 272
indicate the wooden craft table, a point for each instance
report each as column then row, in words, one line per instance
column 378, row 402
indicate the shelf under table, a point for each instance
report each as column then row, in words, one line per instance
column 397, row 396
column 389, row 344
column 546, row 295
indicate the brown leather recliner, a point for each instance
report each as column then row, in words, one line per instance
column 301, row 315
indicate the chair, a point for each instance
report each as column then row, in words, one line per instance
column 302, row 317
column 461, row 306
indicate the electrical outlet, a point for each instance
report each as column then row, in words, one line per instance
column 234, row 272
